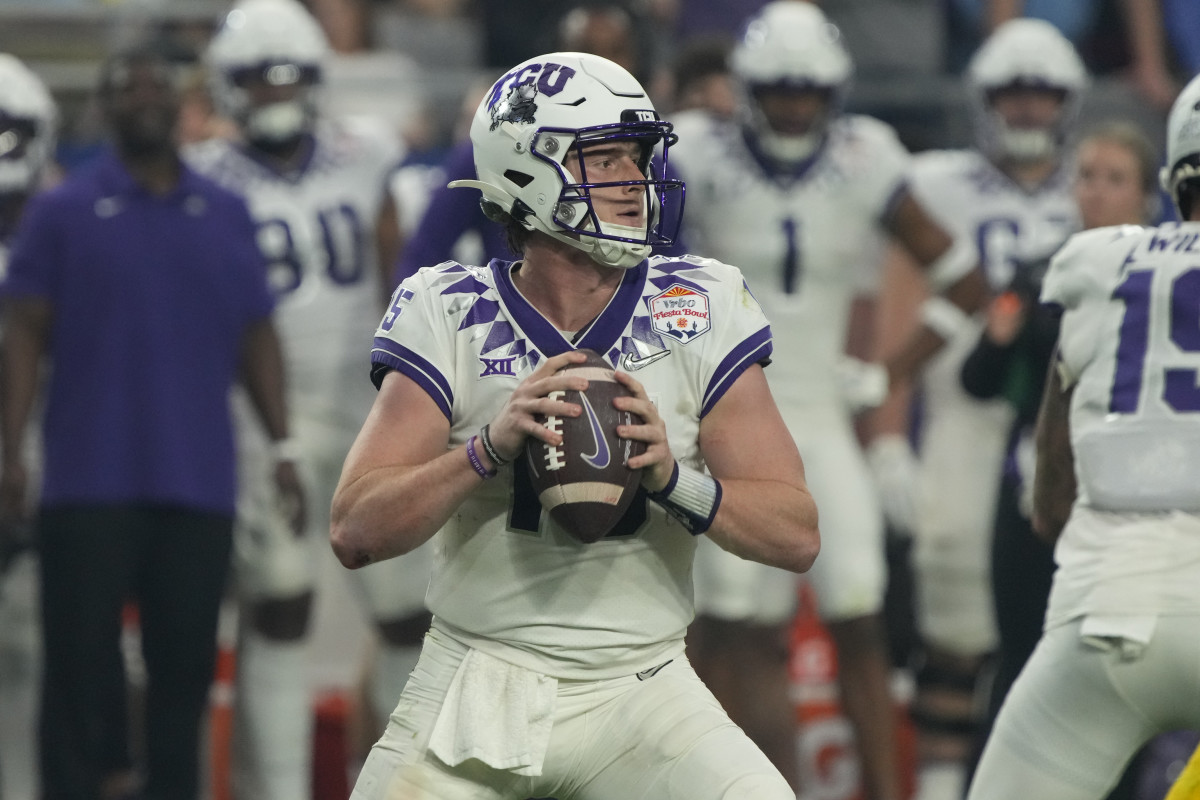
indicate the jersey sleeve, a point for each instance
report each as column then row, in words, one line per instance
column 413, row 339
column 885, row 165
column 1073, row 273
column 743, row 338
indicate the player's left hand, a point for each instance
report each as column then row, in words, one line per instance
column 291, row 496
column 656, row 462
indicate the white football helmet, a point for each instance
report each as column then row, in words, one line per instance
column 28, row 118
column 1024, row 52
column 1183, row 145
column 530, row 120
column 790, row 45
column 279, row 42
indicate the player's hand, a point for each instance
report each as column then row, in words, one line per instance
column 291, row 496
column 515, row 422
column 1005, row 318
column 894, row 466
column 656, row 462
column 863, row 384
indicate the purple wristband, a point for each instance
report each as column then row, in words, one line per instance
column 476, row 464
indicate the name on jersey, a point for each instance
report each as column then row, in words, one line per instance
column 680, row 312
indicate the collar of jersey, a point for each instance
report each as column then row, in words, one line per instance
column 602, row 335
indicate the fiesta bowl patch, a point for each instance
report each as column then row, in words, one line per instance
column 680, row 312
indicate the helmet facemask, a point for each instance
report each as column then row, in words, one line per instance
column 790, row 147
column 1026, row 140
column 574, row 214
column 284, row 118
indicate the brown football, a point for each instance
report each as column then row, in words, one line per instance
column 584, row 482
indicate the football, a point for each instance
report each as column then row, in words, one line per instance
column 584, row 482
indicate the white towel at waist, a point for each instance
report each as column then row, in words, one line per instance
column 496, row 712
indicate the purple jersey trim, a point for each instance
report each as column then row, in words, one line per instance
column 388, row 355
column 755, row 349
column 602, row 335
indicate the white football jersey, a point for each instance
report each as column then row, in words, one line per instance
column 506, row 578
column 1130, row 345
column 808, row 241
column 976, row 202
column 1130, row 339
column 316, row 227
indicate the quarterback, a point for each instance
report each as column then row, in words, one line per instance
column 556, row 668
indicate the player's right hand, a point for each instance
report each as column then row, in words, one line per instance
column 509, row 429
column 894, row 467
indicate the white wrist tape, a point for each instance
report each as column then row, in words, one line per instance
column 944, row 318
column 691, row 497
column 950, row 267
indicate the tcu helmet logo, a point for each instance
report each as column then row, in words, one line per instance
column 513, row 97
column 680, row 312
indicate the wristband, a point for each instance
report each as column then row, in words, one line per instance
column 476, row 464
column 944, row 318
column 285, row 450
column 485, row 438
column 690, row 497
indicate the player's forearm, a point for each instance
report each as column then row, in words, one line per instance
column 387, row 511
column 263, row 377
column 769, row 522
column 20, row 358
column 1054, row 486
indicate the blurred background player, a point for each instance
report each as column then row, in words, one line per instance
column 28, row 119
column 316, row 189
column 1012, row 198
column 802, row 198
column 137, row 288
column 1114, row 183
column 1117, row 661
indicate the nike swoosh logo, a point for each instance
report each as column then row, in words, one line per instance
column 650, row 673
column 600, row 458
column 631, row 364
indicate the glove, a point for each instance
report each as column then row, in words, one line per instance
column 894, row 466
column 863, row 384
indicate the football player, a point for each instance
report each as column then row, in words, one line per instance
column 316, row 188
column 1118, row 443
column 28, row 119
column 803, row 197
column 1012, row 197
column 556, row 668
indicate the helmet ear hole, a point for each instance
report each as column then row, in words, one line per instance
column 521, row 179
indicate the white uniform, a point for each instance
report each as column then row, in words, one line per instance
column 809, row 243
column 317, row 229
column 20, row 647
column 964, row 440
column 1118, row 661
column 561, row 642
